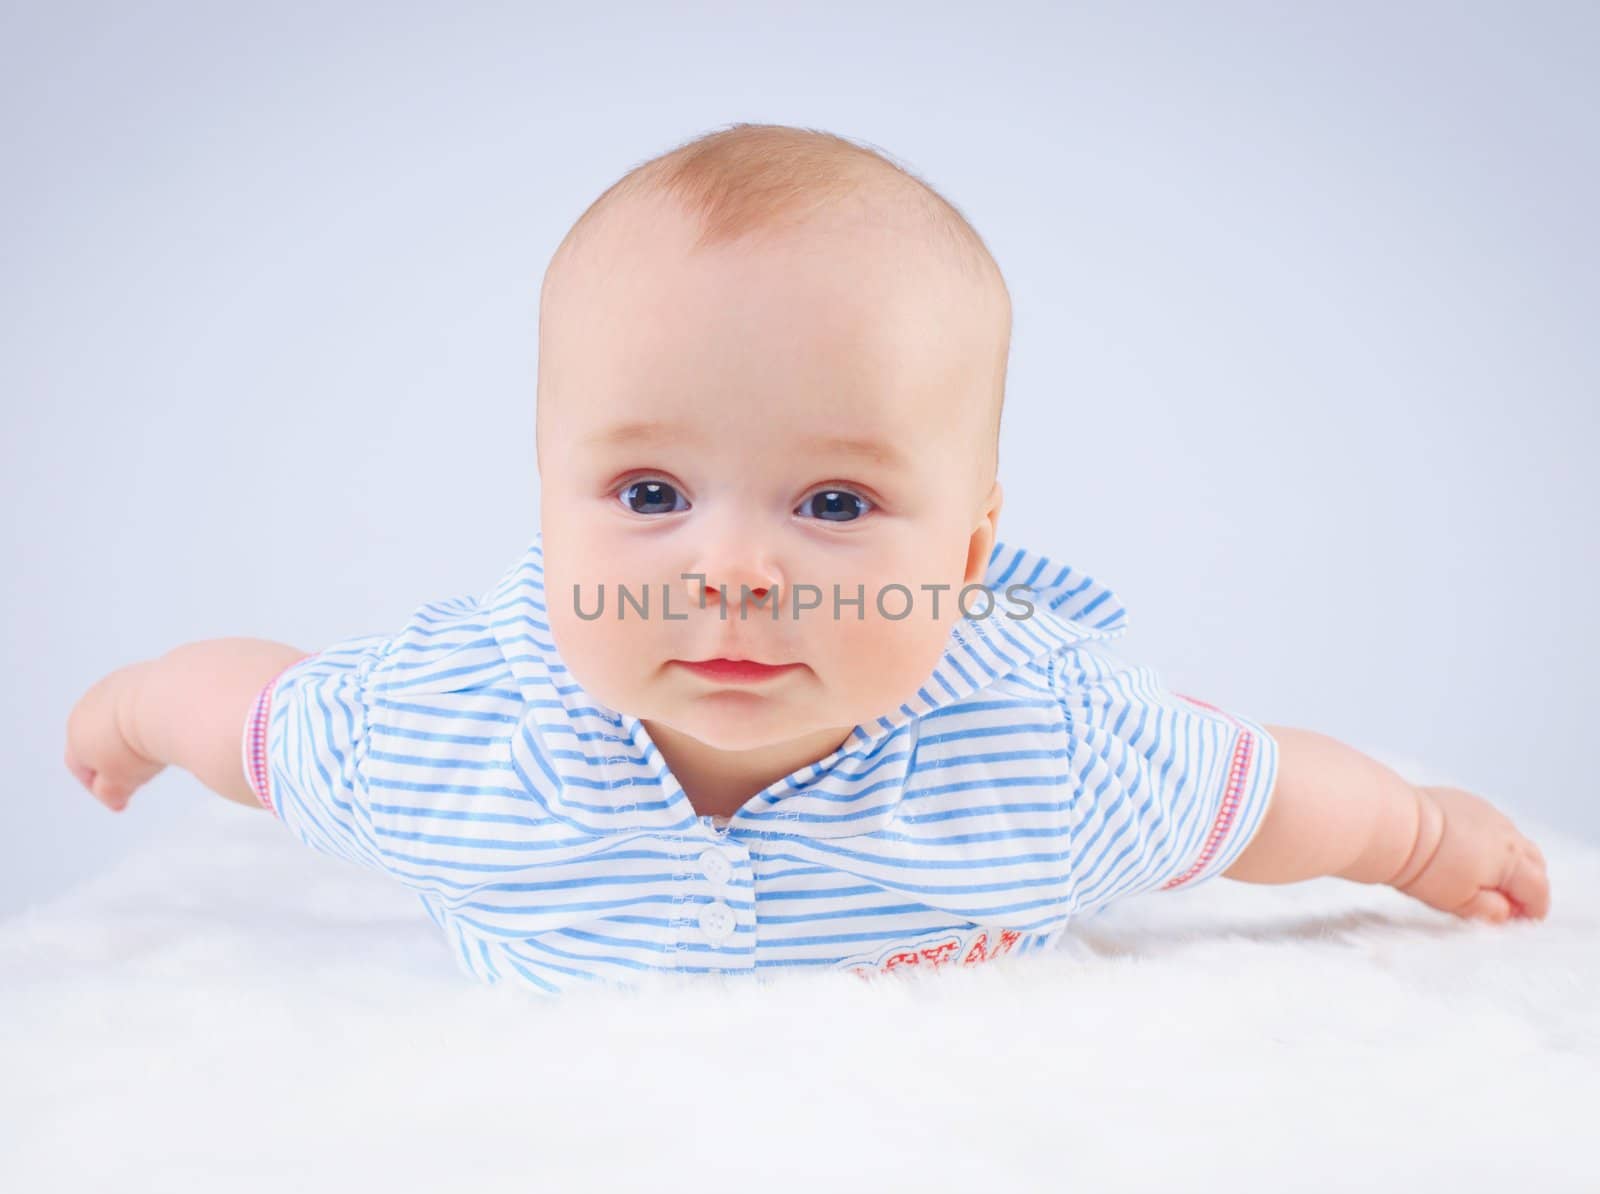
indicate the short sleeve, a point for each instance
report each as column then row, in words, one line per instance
column 1169, row 789
column 305, row 748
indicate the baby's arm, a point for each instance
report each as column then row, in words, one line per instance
column 187, row 708
column 1334, row 811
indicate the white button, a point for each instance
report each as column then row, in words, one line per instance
column 716, row 920
column 716, row 866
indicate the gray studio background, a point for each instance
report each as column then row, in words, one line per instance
column 1304, row 364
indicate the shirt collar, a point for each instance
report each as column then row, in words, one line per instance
column 581, row 759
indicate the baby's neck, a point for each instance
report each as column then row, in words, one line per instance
column 719, row 782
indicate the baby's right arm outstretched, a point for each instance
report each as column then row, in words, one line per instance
column 186, row 708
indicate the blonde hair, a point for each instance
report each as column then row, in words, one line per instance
column 747, row 179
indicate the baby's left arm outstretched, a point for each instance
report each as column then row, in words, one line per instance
column 1334, row 811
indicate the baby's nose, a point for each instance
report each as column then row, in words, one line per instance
column 709, row 587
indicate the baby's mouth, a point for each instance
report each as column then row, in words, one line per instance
column 736, row 671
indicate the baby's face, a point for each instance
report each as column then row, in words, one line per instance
column 813, row 412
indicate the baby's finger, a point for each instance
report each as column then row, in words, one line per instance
column 112, row 793
column 1528, row 888
column 1487, row 905
column 83, row 774
column 1532, row 849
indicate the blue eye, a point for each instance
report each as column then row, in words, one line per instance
column 836, row 505
column 660, row 497
column 648, row 497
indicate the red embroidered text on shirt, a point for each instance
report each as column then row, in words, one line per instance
column 943, row 953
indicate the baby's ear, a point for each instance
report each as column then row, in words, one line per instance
column 981, row 546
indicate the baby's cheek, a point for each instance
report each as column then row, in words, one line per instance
column 605, row 656
column 881, row 662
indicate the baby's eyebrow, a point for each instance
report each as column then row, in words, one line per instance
column 884, row 453
column 646, row 431
column 640, row 431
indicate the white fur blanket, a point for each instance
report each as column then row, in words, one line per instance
column 231, row 1011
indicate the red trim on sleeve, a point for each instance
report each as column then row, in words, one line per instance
column 256, row 769
column 1238, row 767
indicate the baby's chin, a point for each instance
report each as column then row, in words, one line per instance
column 735, row 719
column 739, row 719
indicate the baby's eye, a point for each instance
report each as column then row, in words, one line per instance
column 649, row 497
column 835, row 505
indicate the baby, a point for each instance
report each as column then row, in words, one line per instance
column 766, row 689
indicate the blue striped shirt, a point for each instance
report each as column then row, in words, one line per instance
column 1032, row 778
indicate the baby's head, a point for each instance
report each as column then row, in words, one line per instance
column 773, row 359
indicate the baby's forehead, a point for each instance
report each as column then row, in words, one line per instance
column 884, row 441
column 848, row 323
column 853, row 289
column 653, row 237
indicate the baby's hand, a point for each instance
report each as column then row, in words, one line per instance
column 98, row 750
column 1471, row 860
